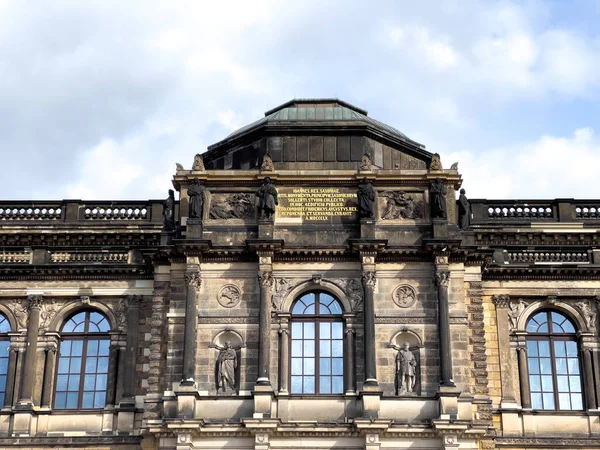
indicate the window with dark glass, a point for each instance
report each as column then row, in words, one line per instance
column 82, row 372
column 553, row 362
column 317, row 338
column 4, row 349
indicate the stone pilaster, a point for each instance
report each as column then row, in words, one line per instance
column 13, row 354
column 133, row 322
column 349, row 362
column 284, row 360
column 588, row 379
column 111, row 382
column 50, row 365
column 369, row 281
column 442, row 281
column 506, row 367
column 193, row 284
column 265, row 280
column 524, row 375
column 30, row 363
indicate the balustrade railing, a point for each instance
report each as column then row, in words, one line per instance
column 542, row 257
column 69, row 211
column 89, row 257
column 15, row 257
column 558, row 210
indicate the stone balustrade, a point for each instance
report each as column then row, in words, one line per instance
column 70, row 211
column 89, row 257
column 558, row 210
column 23, row 257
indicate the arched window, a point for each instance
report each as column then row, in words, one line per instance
column 553, row 362
column 4, row 349
column 317, row 355
column 82, row 372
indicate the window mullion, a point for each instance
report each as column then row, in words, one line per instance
column 82, row 371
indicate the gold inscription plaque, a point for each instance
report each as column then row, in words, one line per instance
column 316, row 205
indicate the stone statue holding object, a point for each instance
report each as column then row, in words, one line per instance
column 406, row 365
column 169, row 212
column 227, row 363
column 437, row 198
column 267, row 199
column 366, row 199
column 464, row 211
column 196, row 195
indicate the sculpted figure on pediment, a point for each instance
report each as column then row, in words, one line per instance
column 233, row 206
column 399, row 205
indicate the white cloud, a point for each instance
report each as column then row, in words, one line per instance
column 549, row 167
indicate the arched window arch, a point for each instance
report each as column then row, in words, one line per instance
column 4, row 355
column 317, row 338
column 553, row 362
column 82, row 372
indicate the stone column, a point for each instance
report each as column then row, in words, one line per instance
column 111, row 382
column 30, row 363
column 193, row 282
column 133, row 322
column 442, row 280
column 588, row 379
column 284, row 356
column 369, row 280
column 502, row 303
column 524, row 376
column 349, row 364
column 265, row 279
column 13, row 353
column 50, row 366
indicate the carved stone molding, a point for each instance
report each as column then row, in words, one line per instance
column 19, row 309
column 120, row 311
column 267, row 164
column 193, row 280
column 404, row 296
column 442, row 278
column 49, row 310
column 282, row 288
column 588, row 309
column 229, row 296
column 231, row 206
column 501, row 301
column 369, row 279
column 198, row 163
column 365, row 163
column 397, row 205
column 353, row 290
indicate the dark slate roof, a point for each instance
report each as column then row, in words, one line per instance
column 341, row 112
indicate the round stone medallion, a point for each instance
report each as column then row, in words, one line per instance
column 229, row 296
column 404, row 296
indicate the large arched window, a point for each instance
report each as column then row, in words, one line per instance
column 82, row 372
column 317, row 355
column 553, row 362
column 4, row 349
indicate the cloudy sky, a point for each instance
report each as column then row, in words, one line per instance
column 100, row 99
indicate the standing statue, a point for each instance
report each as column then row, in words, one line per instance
column 227, row 363
column 366, row 199
column 437, row 197
column 196, row 195
column 169, row 212
column 267, row 199
column 405, row 369
column 464, row 211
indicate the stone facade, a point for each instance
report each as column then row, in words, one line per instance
column 169, row 315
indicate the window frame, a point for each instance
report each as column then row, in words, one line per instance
column 551, row 337
column 5, row 338
column 83, row 337
column 317, row 319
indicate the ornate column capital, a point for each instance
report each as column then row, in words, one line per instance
column 34, row 302
column 442, row 278
column 369, row 278
column 193, row 280
column 501, row 301
column 133, row 301
column 265, row 278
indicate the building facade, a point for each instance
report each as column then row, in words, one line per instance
column 314, row 285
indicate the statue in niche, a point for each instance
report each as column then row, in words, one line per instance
column 169, row 212
column 366, row 199
column 227, row 363
column 196, row 195
column 464, row 211
column 198, row 163
column 365, row 163
column 406, row 365
column 267, row 199
column 437, row 194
